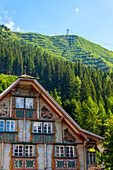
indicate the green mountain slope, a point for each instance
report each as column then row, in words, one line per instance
column 72, row 48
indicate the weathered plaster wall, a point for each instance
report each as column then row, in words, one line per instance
column 7, row 158
column 20, row 122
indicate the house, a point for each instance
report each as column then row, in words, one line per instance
column 36, row 133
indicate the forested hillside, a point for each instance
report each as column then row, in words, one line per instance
column 85, row 93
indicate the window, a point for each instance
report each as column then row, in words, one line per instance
column 71, row 164
column 29, row 163
column 60, row 164
column 18, row 163
column 1, row 125
column 18, row 150
column 28, row 114
column 70, row 151
column 29, row 150
column 37, row 127
column 47, row 127
column 60, row 151
column 91, row 156
column 65, row 151
column 29, row 103
column 19, row 102
column 10, row 126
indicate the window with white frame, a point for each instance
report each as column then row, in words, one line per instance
column 60, row 151
column 37, row 127
column 47, row 127
column 29, row 150
column 19, row 102
column 18, row 150
column 10, row 125
column 70, row 151
column 1, row 125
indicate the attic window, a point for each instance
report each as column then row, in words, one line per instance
column 24, row 103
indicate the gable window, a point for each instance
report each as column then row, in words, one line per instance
column 70, row 151
column 29, row 150
column 1, row 125
column 24, row 103
column 19, row 102
column 18, row 150
column 10, row 126
column 60, row 151
column 47, row 127
column 37, row 127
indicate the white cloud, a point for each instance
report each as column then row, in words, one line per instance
column 0, row 18
column 10, row 25
column 18, row 29
column 44, row 26
column 76, row 10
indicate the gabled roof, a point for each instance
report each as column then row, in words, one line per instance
column 83, row 134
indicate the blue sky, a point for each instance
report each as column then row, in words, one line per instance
column 90, row 19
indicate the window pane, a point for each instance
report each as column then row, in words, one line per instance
column 18, row 163
column 47, row 127
column 29, row 163
column 37, row 138
column 29, row 103
column 20, row 113
column 60, row 164
column 60, row 151
column 29, row 150
column 29, row 114
column 70, row 151
column 1, row 125
column 10, row 126
column 18, row 150
column 48, row 138
column 10, row 137
column 19, row 102
column 71, row 164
